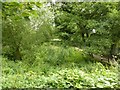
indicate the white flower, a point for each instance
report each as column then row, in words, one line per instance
column 94, row 31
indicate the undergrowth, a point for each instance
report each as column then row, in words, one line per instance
column 58, row 67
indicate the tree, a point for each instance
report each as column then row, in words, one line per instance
column 25, row 27
column 114, row 29
column 80, row 19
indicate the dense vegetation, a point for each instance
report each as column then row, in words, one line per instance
column 60, row 45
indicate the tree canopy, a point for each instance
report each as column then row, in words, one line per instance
column 94, row 24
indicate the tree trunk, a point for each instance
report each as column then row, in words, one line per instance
column 17, row 54
column 112, row 50
column 83, row 37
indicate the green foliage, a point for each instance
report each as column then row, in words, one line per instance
column 73, row 71
column 61, row 78
column 101, row 16
column 22, row 37
column 40, row 62
column 56, row 55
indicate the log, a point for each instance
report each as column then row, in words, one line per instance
column 104, row 60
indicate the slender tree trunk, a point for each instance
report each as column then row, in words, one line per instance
column 87, row 35
column 17, row 54
column 83, row 39
column 112, row 50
